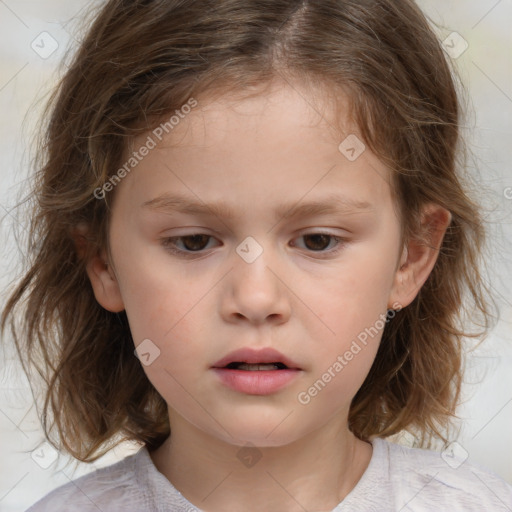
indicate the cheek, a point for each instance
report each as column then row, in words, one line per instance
column 164, row 306
column 171, row 321
column 353, row 299
column 157, row 295
column 352, row 308
column 346, row 350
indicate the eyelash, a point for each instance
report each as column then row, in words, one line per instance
column 170, row 246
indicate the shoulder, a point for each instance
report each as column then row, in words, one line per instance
column 114, row 488
column 429, row 480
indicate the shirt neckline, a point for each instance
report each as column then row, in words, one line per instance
column 377, row 471
column 159, row 492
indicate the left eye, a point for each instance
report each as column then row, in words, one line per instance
column 191, row 243
column 318, row 242
column 196, row 243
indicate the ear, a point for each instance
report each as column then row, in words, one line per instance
column 419, row 256
column 101, row 274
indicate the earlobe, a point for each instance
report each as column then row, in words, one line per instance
column 103, row 279
column 420, row 255
column 104, row 284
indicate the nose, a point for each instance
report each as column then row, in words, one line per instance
column 256, row 292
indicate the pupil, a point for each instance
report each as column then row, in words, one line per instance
column 322, row 238
column 196, row 242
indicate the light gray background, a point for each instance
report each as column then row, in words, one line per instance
column 486, row 68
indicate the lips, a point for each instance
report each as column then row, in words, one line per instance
column 256, row 372
column 263, row 357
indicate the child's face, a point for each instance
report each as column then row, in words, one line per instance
column 298, row 296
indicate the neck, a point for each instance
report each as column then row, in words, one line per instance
column 315, row 472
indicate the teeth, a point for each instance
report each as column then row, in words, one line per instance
column 255, row 367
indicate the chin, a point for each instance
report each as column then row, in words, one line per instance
column 261, row 434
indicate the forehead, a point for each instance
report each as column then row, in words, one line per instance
column 278, row 108
column 285, row 141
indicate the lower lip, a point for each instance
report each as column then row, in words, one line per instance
column 258, row 382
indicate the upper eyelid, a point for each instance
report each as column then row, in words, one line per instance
column 341, row 240
column 302, row 233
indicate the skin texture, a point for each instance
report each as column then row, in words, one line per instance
column 297, row 296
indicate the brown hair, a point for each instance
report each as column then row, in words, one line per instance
column 143, row 59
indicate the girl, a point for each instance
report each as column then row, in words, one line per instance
column 251, row 253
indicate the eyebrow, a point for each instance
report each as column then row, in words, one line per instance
column 332, row 204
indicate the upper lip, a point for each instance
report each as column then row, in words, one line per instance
column 254, row 356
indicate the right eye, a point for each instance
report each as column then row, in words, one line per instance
column 190, row 244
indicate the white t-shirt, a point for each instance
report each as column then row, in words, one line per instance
column 398, row 479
